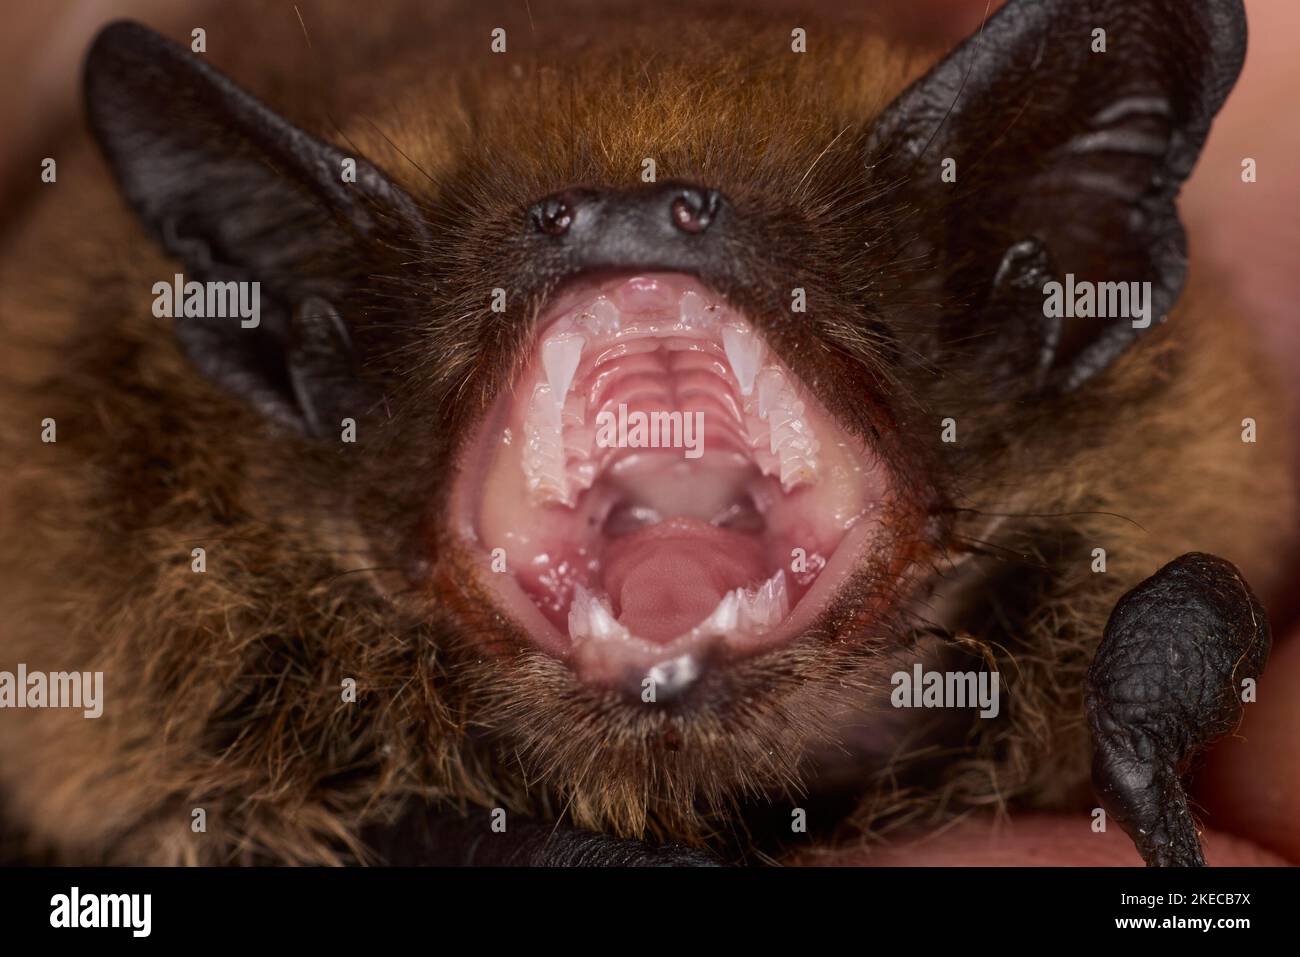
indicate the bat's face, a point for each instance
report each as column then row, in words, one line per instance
column 665, row 479
column 649, row 399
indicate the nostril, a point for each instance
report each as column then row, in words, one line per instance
column 553, row 216
column 692, row 210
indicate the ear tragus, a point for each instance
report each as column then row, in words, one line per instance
column 239, row 194
column 1071, row 123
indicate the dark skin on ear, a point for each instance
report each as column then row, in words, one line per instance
column 478, row 174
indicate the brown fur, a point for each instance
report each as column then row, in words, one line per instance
column 222, row 689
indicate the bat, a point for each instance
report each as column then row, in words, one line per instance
column 628, row 436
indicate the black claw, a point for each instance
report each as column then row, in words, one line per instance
column 1166, row 681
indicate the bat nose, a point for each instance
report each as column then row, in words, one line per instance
column 692, row 209
column 671, row 226
column 554, row 215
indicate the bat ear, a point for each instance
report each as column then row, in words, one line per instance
column 238, row 194
column 1054, row 142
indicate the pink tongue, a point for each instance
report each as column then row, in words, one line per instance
column 666, row 579
column 667, row 595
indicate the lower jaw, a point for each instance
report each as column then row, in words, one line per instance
column 675, row 662
column 809, row 717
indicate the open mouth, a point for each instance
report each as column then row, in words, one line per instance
column 658, row 492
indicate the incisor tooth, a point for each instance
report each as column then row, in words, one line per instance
column 745, row 353
column 694, row 312
column 603, row 317
column 591, row 617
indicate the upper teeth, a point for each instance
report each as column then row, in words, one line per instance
column 557, row 468
column 789, row 443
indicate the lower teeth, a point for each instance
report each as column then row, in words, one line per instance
column 750, row 611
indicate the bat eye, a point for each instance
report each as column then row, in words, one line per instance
column 553, row 216
column 693, row 210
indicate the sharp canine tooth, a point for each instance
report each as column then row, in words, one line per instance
column 745, row 353
column 724, row 617
column 560, row 358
